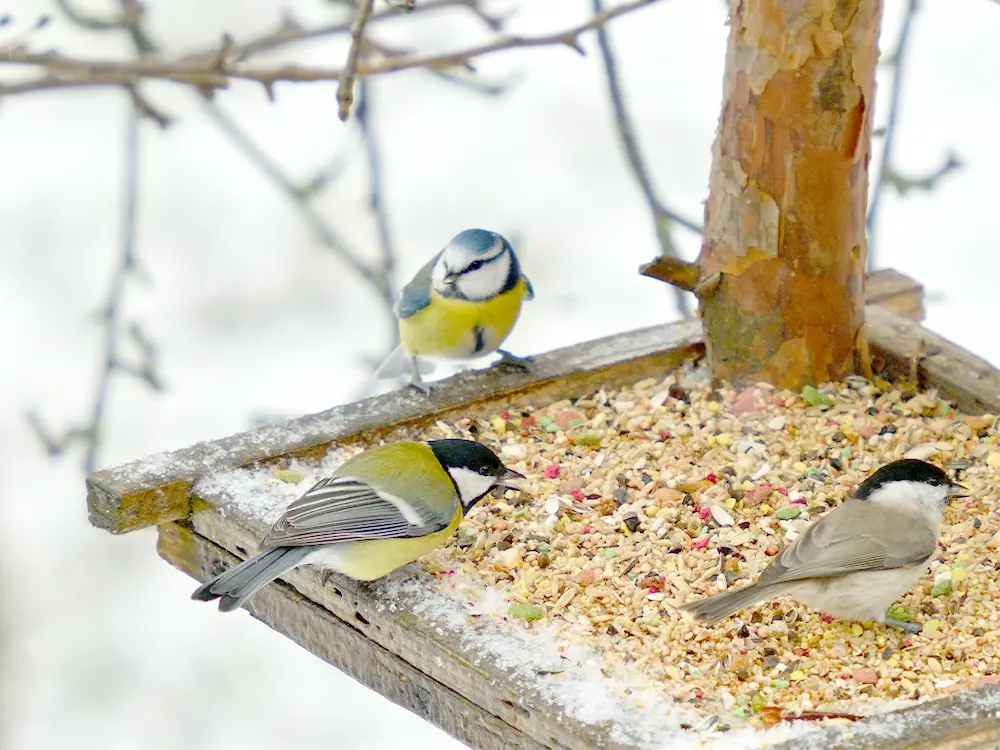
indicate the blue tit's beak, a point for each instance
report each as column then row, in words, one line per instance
column 958, row 490
column 450, row 278
column 510, row 480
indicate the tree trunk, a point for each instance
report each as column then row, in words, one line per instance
column 782, row 267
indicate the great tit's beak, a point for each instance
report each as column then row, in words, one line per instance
column 958, row 490
column 510, row 480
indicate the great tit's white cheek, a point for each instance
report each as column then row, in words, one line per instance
column 485, row 282
column 470, row 483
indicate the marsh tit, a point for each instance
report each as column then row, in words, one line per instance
column 380, row 510
column 861, row 556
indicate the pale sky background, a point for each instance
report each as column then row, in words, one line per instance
column 101, row 646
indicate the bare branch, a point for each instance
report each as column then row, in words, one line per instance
column 323, row 232
column 387, row 250
column 217, row 72
column 663, row 217
column 345, row 87
column 888, row 174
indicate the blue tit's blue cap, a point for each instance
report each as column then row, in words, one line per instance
column 476, row 241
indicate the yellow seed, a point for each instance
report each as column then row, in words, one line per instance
column 931, row 627
column 800, row 467
column 797, row 675
column 724, row 439
column 856, row 628
column 730, row 503
column 499, row 425
column 765, row 509
column 958, row 575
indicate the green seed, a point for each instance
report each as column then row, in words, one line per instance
column 528, row 612
column 287, row 475
column 789, row 512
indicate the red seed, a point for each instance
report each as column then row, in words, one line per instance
column 552, row 471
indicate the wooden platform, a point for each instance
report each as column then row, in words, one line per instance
column 373, row 632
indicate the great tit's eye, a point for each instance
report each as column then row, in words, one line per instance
column 484, row 470
column 475, row 265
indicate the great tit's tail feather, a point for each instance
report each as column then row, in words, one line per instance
column 714, row 608
column 237, row 584
column 398, row 364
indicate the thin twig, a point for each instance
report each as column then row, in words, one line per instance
column 345, row 87
column 209, row 75
column 387, row 249
column 888, row 175
column 663, row 217
column 291, row 32
column 323, row 232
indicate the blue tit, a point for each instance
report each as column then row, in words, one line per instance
column 461, row 305
column 380, row 510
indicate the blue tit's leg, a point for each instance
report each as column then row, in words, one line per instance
column 514, row 362
column 909, row 627
column 416, row 381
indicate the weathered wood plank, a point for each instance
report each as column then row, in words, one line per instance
column 158, row 489
column 460, row 667
column 894, row 291
column 970, row 382
column 349, row 649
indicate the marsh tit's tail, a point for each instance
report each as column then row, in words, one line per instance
column 235, row 586
column 714, row 608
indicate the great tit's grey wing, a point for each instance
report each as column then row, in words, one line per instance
column 343, row 509
column 858, row 535
column 417, row 294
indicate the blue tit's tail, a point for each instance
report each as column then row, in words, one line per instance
column 235, row 586
column 399, row 363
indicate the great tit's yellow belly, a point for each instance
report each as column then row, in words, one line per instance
column 373, row 558
column 461, row 329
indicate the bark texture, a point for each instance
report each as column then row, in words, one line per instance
column 782, row 267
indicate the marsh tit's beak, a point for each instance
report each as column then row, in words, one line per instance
column 510, row 480
column 957, row 490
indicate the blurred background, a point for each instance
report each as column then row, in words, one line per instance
column 237, row 306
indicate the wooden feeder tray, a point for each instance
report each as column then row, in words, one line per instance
column 373, row 632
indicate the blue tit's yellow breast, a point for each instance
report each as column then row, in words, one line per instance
column 462, row 329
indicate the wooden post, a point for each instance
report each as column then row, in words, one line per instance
column 780, row 278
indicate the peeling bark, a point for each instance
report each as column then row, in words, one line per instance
column 783, row 261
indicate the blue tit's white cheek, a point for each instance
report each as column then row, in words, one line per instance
column 471, row 484
column 485, row 282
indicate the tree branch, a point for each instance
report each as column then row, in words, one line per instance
column 888, row 174
column 345, row 87
column 663, row 218
column 209, row 75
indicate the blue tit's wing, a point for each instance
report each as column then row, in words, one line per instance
column 342, row 509
column 417, row 294
column 530, row 288
column 856, row 536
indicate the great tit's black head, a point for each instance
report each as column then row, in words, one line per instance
column 909, row 470
column 474, row 468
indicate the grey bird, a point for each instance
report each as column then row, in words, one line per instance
column 861, row 556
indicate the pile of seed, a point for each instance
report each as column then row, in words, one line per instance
column 643, row 498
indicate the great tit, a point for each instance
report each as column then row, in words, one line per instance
column 861, row 556
column 461, row 305
column 380, row 510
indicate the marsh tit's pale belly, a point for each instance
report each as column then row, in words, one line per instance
column 857, row 596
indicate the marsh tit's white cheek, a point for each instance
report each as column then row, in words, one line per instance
column 486, row 282
column 915, row 498
column 470, row 483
